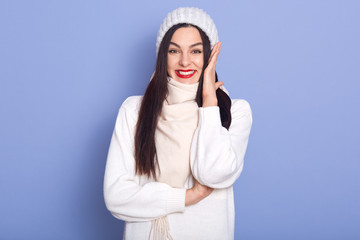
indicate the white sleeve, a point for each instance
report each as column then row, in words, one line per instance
column 124, row 197
column 217, row 154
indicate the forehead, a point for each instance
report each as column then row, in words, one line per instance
column 186, row 36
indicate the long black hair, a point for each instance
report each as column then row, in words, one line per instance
column 154, row 97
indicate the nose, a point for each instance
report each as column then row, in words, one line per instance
column 185, row 59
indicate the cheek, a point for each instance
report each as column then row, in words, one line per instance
column 170, row 67
column 200, row 62
column 170, row 63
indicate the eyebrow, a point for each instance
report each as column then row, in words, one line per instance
column 193, row 45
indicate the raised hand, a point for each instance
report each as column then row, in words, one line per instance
column 209, row 84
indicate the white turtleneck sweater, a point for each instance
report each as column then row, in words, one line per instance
column 216, row 160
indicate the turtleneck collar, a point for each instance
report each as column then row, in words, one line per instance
column 181, row 92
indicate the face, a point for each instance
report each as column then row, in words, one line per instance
column 185, row 55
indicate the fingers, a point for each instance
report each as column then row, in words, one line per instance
column 218, row 84
column 215, row 48
column 214, row 54
column 213, row 51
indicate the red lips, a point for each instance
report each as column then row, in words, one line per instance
column 185, row 73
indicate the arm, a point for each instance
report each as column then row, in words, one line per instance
column 217, row 154
column 197, row 193
column 124, row 197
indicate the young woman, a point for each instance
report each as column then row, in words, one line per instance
column 176, row 151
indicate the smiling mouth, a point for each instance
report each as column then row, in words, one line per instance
column 185, row 73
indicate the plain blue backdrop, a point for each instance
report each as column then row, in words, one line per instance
column 66, row 67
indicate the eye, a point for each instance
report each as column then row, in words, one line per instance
column 173, row 51
column 197, row 51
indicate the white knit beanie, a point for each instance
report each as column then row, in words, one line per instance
column 191, row 15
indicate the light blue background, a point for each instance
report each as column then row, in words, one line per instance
column 66, row 67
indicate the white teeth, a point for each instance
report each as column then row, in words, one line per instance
column 186, row 73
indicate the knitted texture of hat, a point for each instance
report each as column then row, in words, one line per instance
column 191, row 15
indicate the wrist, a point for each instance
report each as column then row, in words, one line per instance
column 210, row 99
column 209, row 102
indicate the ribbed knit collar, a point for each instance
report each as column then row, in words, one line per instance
column 181, row 92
